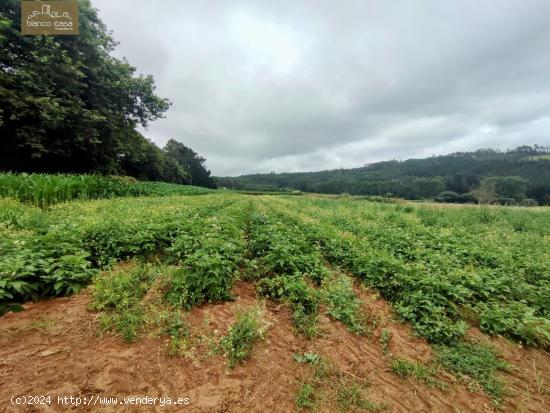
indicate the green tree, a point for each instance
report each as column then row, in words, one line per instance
column 428, row 187
column 188, row 159
column 460, row 172
column 514, row 187
column 141, row 158
column 66, row 103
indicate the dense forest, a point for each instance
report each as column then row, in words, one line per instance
column 68, row 105
column 520, row 175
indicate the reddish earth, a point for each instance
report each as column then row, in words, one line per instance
column 53, row 348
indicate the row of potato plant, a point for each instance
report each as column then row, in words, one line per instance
column 209, row 254
column 292, row 269
column 57, row 252
column 423, row 279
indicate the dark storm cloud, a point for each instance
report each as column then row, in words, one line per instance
column 306, row 85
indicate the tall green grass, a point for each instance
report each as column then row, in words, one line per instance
column 43, row 189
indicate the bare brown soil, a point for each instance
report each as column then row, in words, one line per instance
column 54, row 348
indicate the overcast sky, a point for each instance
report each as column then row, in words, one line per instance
column 260, row 86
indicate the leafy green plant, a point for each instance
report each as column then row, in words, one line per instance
column 209, row 263
column 343, row 305
column 47, row 264
column 239, row 343
column 307, row 358
column 456, row 270
column 440, row 268
column 516, row 320
column 301, row 298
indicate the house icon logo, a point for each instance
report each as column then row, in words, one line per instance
column 57, row 17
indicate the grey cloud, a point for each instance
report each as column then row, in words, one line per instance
column 288, row 85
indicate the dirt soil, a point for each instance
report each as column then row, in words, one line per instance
column 54, row 348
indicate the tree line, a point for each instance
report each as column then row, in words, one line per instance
column 520, row 175
column 68, row 105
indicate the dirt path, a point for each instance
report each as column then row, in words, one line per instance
column 53, row 348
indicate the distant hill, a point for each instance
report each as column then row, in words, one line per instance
column 486, row 175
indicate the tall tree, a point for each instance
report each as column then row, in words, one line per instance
column 513, row 187
column 144, row 160
column 66, row 104
column 191, row 162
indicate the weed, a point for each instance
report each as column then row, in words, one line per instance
column 305, row 323
column 342, row 303
column 404, row 368
column 477, row 362
column 238, row 344
column 539, row 380
column 118, row 294
column 179, row 333
column 301, row 298
column 43, row 323
column 127, row 322
column 350, row 395
column 117, row 290
column 305, row 396
column 385, row 338
column 327, row 381
column 323, row 369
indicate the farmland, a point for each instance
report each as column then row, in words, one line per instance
column 351, row 303
column 43, row 190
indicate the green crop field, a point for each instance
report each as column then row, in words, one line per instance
column 44, row 190
column 443, row 269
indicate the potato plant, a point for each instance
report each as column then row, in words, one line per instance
column 441, row 268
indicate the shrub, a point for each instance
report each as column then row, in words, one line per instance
column 468, row 198
column 528, row 202
column 504, row 201
column 447, row 196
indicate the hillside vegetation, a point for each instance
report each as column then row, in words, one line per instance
column 521, row 175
